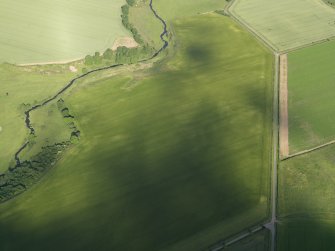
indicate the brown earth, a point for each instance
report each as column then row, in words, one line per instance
column 128, row 42
column 283, row 106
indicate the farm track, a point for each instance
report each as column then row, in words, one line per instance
column 73, row 81
column 283, row 100
column 308, row 150
column 271, row 224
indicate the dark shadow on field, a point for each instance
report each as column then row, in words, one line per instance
column 307, row 219
column 164, row 199
column 306, row 234
column 201, row 54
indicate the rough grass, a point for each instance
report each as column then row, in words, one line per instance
column 306, row 235
column 146, row 23
column 173, row 158
column 28, row 85
column 311, row 86
column 306, row 184
column 330, row 2
column 171, row 9
column 45, row 31
column 256, row 242
column 306, row 202
column 287, row 24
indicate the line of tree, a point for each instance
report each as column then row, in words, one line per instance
column 125, row 21
column 18, row 179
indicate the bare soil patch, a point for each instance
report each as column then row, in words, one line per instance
column 128, row 42
column 283, row 113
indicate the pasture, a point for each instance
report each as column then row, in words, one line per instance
column 256, row 242
column 45, row 31
column 287, row 24
column 306, row 184
column 21, row 88
column 306, row 235
column 306, row 202
column 146, row 23
column 171, row 9
column 167, row 158
column 310, row 96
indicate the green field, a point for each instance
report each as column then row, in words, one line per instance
column 171, row 9
column 287, row 24
column 306, row 202
column 311, row 86
column 167, row 158
column 306, row 184
column 59, row 30
column 255, row 242
column 25, row 87
column 146, row 23
column 306, row 235
column 330, row 2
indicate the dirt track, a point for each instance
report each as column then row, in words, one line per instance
column 283, row 95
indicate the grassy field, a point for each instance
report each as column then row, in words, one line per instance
column 306, row 202
column 57, row 31
column 256, row 242
column 287, row 24
column 330, row 2
column 171, row 9
column 146, row 23
column 310, row 86
column 21, row 87
column 167, row 158
column 306, row 235
column 306, row 184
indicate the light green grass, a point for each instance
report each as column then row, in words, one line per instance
column 306, row 235
column 146, row 23
column 50, row 128
column 28, row 85
column 179, row 151
column 287, row 24
column 44, row 31
column 306, row 184
column 306, row 202
column 171, row 9
column 311, row 78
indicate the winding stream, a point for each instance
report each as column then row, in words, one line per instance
column 73, row 81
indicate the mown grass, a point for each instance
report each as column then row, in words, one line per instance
column 310, row 86
column 21, row 88
column 170, row 158
column 45, row 32
column 287, row 24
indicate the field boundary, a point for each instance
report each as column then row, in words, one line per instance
column 234, row 15
column 309, row 150
column 283, row 108
column 244, row 24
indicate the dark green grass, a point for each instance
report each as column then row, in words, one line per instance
column 306, row 235
column 306, row 202
column 173, row 158
column 311, row 86
column 256, row 242
column 330, row 2
column 20, row 88
column 306, row 184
